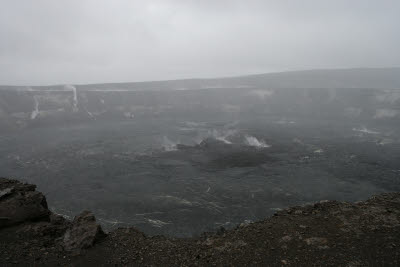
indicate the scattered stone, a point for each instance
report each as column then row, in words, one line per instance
column 5, row 192
column 209, row 242
column 316, row 241
column 286, row 238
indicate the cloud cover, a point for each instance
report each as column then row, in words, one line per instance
column 85, row 41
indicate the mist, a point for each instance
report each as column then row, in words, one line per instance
column 78, row 42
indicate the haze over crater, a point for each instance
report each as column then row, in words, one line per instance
column 71, row 42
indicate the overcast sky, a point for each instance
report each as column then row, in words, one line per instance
column 86, row 41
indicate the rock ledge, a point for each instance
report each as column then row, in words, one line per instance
column 328, row 233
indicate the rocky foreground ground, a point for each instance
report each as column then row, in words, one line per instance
column 328, row 233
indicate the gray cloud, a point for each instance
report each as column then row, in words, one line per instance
column 83, row 41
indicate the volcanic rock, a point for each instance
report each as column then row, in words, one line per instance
column 83, row 233
column 329, row 233
column 20, row 202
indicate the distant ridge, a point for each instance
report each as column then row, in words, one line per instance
column 383, row 78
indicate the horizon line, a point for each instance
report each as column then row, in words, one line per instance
column 199, row 78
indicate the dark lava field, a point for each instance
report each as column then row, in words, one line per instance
column 182, row 160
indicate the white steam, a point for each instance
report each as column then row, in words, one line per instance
column 35, row 112
column 252, row 141
column 222, row 135
column 261, row 93
column 168, row 145
column 365, row 130
column 74, row 98
column 385, row 113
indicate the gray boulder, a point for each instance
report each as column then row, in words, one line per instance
column 83, row 233
column 20, row 202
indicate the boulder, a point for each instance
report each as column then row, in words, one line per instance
column 83, row 233
column 19, row 202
